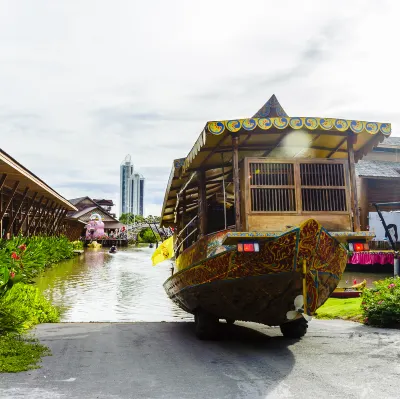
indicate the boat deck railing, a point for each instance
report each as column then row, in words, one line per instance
column 186, row 233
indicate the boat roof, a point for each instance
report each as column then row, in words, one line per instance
column 269, row 133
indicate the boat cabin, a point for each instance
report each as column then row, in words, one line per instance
column 268, row 173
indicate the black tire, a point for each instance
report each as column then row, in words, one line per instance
column 230, row 321
column 294, row 329
column 206, row 325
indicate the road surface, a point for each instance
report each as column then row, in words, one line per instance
column 336, row 359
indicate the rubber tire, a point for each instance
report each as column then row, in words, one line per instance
column 230, row 321
column 294, row 329
column 206, row 325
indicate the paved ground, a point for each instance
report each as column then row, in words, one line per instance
column 164, row 360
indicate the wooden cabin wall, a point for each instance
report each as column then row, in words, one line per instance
column 282, row 222
column 266, row 220
column 383, row 190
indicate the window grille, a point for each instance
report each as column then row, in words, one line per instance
column 272, row 187
column 323, row 187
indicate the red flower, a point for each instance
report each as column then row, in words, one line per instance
column 15, row 256
column 22, row 247
column 12, row 274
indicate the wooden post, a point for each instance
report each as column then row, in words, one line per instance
column 351, row 140
column 202, row 209
column 54, row 214
column 2, row 180
column 12, row 220
column 182, row 218
column 29, row 224
column 27, row 210
column 57, row 216
column 48, row 217
column 236, row 180
column 4, row 210
column 58, row 221
column 38, row 222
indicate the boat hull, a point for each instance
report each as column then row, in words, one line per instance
column 258, row 287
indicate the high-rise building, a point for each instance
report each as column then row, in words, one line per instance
column 131, row 189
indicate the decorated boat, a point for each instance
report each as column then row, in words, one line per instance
column 262, row 209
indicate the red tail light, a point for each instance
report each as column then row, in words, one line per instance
column 248, row 247
column 358, row 247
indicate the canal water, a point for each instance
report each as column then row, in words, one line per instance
column 98, row 286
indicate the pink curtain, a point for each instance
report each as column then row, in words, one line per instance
column 370, row 258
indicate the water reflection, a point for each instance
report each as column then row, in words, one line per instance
column 348, row 278
column 102, row 287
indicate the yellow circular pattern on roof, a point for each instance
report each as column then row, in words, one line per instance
column 296, row 123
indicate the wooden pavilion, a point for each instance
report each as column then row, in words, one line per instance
column 28, row 205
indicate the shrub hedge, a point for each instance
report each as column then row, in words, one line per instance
column 381, row 304
column 22, row 258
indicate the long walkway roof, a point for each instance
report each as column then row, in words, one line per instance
column 15, row 172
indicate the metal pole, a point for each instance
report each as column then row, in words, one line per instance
column 223, row 187
column 385, row 227
column 396, row 266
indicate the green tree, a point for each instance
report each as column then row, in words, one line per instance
column 147, row 235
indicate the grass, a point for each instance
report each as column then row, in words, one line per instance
column 21, row 308
column 19, row 353
column 345, row 309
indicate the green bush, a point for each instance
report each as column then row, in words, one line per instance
column 23, row 307
column 22, row 258
column 381, row 304
column 147, row 235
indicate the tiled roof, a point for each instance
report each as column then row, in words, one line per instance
column 75, row 201
column 378, row 169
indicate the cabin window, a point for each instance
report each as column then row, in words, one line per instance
column 323, row 187
column 297, row 186
column 272, row 187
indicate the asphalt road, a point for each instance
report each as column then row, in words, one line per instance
column 336, row 359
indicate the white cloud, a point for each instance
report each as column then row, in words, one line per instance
column 84, row 83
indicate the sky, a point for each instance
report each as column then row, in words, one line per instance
column 85, row 82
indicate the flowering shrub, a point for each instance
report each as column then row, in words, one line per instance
column 381, row 304
column 21, row 258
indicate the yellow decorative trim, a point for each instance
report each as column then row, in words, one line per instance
column 296, row 123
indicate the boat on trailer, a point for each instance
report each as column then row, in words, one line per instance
column 262, row 209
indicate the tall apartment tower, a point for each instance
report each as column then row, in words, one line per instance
column 131, row 189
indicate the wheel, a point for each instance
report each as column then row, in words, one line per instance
column 206, row 325
column 294, row 329
column 230, row 321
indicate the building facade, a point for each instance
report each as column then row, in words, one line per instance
column 131, row 189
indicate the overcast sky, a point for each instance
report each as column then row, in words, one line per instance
column 85, row 82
